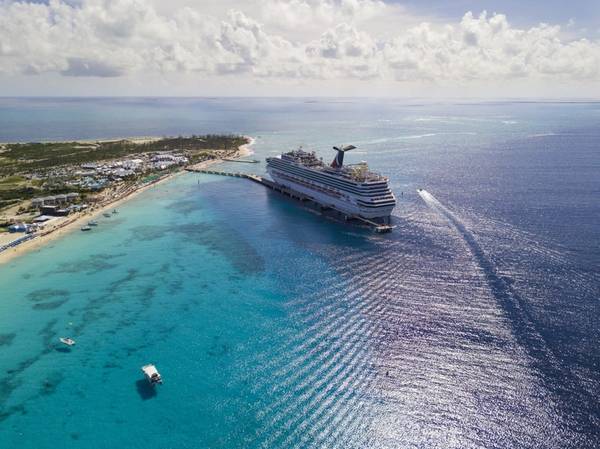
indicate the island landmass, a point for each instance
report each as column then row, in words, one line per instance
column 50, row 188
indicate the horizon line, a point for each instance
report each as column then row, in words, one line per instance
column 275, row 97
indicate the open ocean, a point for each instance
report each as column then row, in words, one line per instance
column 475, row 324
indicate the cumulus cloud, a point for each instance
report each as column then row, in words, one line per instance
column 309, row 15
column 344, row 52
column 489, row 48
column 85, row 67
column 114, row 38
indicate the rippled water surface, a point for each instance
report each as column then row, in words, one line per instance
column 474, row 324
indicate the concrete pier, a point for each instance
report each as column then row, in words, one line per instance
column 241, row 161
column 377, row 227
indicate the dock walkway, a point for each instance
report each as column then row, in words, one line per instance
column 377, row 227
column 241, row 161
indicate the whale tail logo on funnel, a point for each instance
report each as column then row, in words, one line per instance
column 338, row 160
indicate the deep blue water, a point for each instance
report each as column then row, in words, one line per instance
column 476, row 323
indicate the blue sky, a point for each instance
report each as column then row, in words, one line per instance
column 586, row 13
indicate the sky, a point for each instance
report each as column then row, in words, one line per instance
column 394, row 48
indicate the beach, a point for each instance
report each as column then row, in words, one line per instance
column 63, row 226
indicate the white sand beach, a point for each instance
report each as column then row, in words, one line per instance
column 64, row 225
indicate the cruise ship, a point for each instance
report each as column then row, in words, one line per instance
column 353, row 190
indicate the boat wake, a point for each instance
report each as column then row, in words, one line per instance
column 499, row 285
column 522, row 322
column 412, row 137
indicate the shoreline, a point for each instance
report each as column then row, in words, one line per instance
column 76, row 220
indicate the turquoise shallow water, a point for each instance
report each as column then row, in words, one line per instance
column 166, row 281
column 474, row 324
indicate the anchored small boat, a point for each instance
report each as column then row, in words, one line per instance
column 115, row 211
column 152, row 375
column 67, row 341
column 86, row 228
column 106, row 214
column 92, row 223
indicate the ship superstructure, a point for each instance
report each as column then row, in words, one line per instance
column 353, row 190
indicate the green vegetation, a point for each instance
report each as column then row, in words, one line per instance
column 13, row 189
column 40, row 169
column 18, row 158
column 12, row 180
column 150, row 178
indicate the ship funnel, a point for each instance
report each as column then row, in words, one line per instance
column 338, row 160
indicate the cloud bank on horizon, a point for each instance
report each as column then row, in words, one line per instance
column 285, row 42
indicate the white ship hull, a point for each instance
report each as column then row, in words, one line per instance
column 324, row 195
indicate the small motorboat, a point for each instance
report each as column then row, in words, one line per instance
column 67, row 341
column 152, row 374
column 106, row 214
column 86, row 228
column 115, row 211
column 92, row 223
